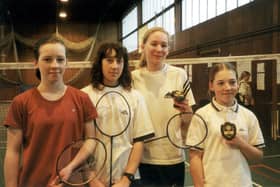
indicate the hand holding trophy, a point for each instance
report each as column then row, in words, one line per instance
column 228, row 130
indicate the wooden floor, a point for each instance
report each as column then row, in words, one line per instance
column 267, row 174
column 2, row 153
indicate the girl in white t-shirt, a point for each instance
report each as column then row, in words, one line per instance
column 162, row 164
column 219, row 162
column 110, row 72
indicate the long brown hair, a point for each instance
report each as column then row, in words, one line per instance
column 96, row 70
column 142, row 62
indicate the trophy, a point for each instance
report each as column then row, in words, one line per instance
column 228, row 130
column 179, row 96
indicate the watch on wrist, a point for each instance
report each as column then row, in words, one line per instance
column 130, row 176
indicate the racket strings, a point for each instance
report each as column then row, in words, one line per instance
column 198, row 131
column 114, row 114
column 179, row 133
column 175, row 131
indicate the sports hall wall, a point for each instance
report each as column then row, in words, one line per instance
column 13, row 82
column 248, row 30
column 251, row 29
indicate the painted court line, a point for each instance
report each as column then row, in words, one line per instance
column 256, row 184
column 272, row 156
column 262, row 173
column 267, row 176
column 266, row 167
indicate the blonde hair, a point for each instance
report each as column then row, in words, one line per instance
column 142, row 62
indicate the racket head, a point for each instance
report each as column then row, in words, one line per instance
column 89, row 167
column 114, row 114
column 178, row 131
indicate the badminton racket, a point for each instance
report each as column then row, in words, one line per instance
column 114, row 116
column 177, row 130
column 88, row 156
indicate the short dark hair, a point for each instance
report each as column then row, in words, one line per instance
column 38, row 45
column 103, row 51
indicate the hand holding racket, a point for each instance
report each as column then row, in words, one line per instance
column 179, row 97
column 81, row 161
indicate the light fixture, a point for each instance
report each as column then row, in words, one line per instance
column 62, row 14
column 62, row 7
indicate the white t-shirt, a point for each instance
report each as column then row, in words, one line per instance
column 153, row 86
column 220, row 161
column 138, row 129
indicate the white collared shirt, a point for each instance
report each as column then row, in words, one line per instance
column 220, row 161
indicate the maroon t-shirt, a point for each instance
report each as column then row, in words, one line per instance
column 47, row 126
